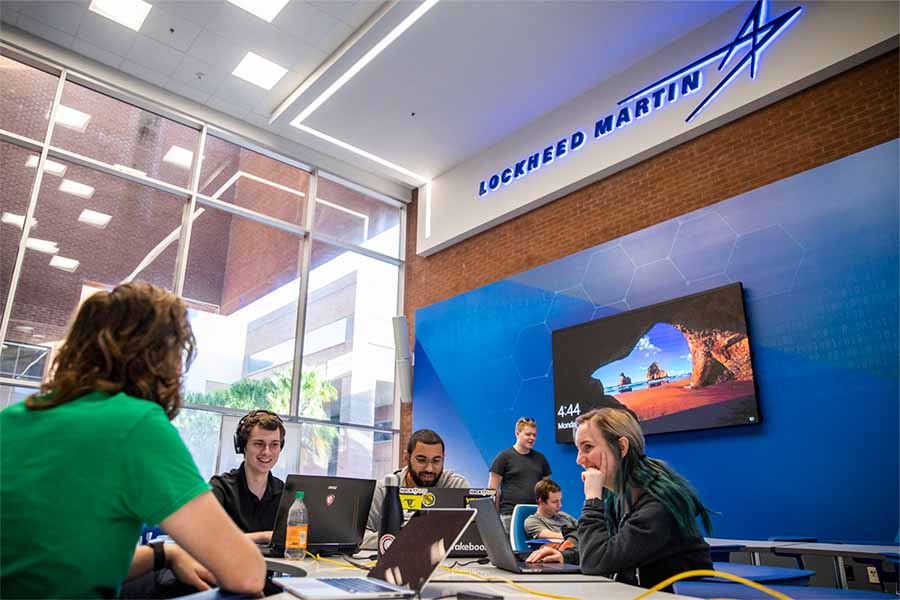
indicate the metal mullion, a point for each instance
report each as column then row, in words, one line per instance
column 29, row 212
column 236, row 412
column 358, row 249
column 305, row 260
column 250, row 214
column 20, row 140
column 371, row 194
column 97, row 165
column 187, row 216
column 18, row 55
column 20, row 383
column 401, row 292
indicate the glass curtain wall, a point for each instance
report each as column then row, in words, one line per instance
column 291, row 276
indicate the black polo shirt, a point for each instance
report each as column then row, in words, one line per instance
column 245, row 509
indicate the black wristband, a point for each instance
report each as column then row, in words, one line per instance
column 159, row 555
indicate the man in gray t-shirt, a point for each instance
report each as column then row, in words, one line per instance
column 549, row 522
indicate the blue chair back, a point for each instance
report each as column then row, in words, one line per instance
column 517, row 535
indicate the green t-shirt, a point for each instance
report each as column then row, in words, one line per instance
column 76, row 483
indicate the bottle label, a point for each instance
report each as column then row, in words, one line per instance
column 296, row 537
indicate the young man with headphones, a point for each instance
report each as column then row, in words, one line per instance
column 250, row 494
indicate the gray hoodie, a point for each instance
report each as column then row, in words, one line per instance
column 448, row 479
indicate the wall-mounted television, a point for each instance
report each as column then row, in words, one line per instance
column 679, row 365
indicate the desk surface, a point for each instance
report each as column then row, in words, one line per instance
column 861, row 550
column 444, row 582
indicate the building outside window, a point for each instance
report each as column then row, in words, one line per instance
column 133, row 192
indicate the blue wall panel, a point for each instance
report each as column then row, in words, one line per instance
column 817, row 254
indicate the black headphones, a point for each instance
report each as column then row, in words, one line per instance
column 240, row 439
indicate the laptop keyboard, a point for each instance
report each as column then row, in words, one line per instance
column 356, row 585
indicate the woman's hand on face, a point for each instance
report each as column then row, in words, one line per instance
column 593, row 483
column 545, row 554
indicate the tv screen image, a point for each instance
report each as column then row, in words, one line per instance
column 679, row 365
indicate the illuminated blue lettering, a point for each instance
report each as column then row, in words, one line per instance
column 577, row 141
column 494, row 182
column 482, row 190
column 657, row 97
column 547, row 156
column 506, row 176
column 534, row 161
column 561, row 148
column 641, row 107
column 603, row 126
column 519, row 171
column 673, row 92
column 691, row 83
column 624, row 117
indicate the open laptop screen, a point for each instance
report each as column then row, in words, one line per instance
column 420, row 547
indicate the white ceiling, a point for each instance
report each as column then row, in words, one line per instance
column 473, row 72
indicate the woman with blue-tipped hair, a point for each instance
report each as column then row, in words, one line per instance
column 639, row 522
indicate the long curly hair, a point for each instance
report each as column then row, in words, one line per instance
column 131, row 340
column 639, row 470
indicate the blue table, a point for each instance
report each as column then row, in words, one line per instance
column 708, row 589
column 763, row 574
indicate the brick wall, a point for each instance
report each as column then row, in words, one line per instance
column 848, row 113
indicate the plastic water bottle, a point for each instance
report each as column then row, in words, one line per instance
column 297, row 530
column 391, row 514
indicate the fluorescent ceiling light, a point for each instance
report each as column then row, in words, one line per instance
column 24, row 328
column 362, row 153
column 130, row 13
column 76, row 189
column 92, row 217
column 266, row 10
column 259, row 71
column 50, row 166
column 179, row 156
column 71, row 118
column 130, row 170
column 17, row 220
column 366, row 59
column 45, row 246
column 64, row 264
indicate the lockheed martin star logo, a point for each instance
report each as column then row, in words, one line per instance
column 755, row 32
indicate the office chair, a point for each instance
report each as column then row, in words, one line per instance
column 517, row 535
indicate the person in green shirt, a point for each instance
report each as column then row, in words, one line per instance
column 91, row 457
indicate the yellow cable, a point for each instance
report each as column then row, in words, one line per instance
column 711, row 573
column 336, row 562
column 512, row 583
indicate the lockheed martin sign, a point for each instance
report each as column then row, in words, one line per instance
column 756, row 34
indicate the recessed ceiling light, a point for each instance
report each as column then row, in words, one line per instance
column 92, row 217
column 179, row 156
column 130, row 170
column 65, row 264
column 130, row 13
column 50, row 166
column 366, row 59
column 17, row 220
column 266, row 10
column 45, row 246
column 76, row 189
column 71, row 118
column 259, row 71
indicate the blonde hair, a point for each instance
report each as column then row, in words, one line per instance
column 524, row 422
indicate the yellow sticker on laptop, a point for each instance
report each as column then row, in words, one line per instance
column 411, row 501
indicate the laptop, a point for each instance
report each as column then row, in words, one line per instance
column 496, row 542
column 338, row 510
column 469, row 544
column 402, row 571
